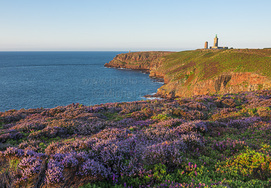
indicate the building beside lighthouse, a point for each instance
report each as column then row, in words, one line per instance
column 206, row 45
column 215, row 46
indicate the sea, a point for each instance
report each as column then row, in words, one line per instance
column 50, row 79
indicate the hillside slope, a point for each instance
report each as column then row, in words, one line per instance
column 202, row 141
column 201, row 72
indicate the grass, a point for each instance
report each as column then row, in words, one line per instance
column 187, row 68
column 113, row 116
column 216, row 62
column 13, row 164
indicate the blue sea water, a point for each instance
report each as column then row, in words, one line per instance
column 50, row 79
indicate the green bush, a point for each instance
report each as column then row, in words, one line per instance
column 161, row 117
column 248, row 165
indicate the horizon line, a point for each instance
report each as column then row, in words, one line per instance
column 115, row 50
column 89, row 50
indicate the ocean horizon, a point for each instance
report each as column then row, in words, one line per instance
column 34, row 79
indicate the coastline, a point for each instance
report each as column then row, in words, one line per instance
column 60, row 78
column 202, row 72
column 64, row 144
column 203, row 140
column 145, row 62
column 144, row 71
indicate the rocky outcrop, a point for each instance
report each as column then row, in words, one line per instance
column 146, row 61
column 226, row 83
column 232, row 83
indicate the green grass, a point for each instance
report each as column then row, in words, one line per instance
column 13, row 164
column 113, row 116
column 184, row 69
column 1, row 125
column 215, row 62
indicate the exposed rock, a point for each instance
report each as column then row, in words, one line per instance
column 223, row 79
column 232, row 83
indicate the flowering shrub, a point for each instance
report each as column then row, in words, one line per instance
column 12, row 151
column 50, row 132
column 192, row 140
column 195, row 126
column 195, row 142
column 30, row 166
column 69, row 161
column 54, row 172
column 232, row 146
column 96, row 109
column 11, row 135
column 166, row 153
column 88, row 128
column 193, row 105
column 93, row 168
column 31, row 122
column 242, row 123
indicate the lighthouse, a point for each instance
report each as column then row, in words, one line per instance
column 215, row 42
column 215, row 46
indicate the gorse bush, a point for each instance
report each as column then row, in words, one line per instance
column 249, row 165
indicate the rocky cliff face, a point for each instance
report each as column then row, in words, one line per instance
column 147, row 61
column 185, row 79
column 226, row 83
column 233, row 82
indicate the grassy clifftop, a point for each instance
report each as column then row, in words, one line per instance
column 199, row 72
column 211, row 63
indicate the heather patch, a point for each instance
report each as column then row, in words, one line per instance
column 204, row 141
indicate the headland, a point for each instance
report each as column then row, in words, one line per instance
column 203, row 71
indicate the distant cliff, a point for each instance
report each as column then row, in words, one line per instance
column 147, row 61
column 201, row 72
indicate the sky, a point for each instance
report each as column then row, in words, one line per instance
column 136, row 25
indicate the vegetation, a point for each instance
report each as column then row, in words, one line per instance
column 202, row 141
column 208, row 64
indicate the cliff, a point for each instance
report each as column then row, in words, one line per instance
column 201, row 72
column 147, row 61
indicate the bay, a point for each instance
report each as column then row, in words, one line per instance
column 50, row 79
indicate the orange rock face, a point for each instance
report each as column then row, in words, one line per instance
column 235, row 82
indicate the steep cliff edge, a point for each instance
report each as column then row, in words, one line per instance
column 201, row 72
column 147, row 61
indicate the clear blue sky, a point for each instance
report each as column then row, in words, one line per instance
column 133, row 25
